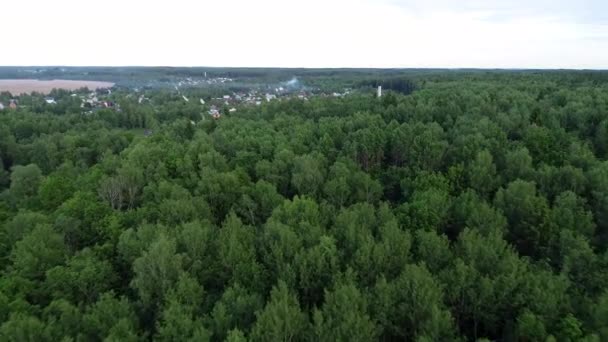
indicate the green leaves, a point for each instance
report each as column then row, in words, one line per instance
column 180, row 318
column 474, row 208
column 482, row 174
column 281, row 319
column 347, row 185
column 237, row 253
column 235, row 310
column 83, row 279
column 526, row 213
column 38, row 252
column 25, row 181
column 344, row 317
column 308, row 174
column 411, row 306
column 21, row 327
column 156, row 271
column 110, row 318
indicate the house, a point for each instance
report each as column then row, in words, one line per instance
column 13, row 104
column 1, row 106
column 142, row 98
column 50, row 100
column 232, row 110
column 270, row 97
column 214, row 112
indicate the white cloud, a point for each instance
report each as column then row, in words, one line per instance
column 314, row 33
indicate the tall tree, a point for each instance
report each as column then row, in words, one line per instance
column 281, row 319
column 344, row 316
column 25, row 181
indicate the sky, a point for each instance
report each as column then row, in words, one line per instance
column 307, row 33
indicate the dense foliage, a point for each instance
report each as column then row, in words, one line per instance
column 474, row 208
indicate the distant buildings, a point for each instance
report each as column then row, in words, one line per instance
column 91, row 102
column 231, row 101
column 1, row 106
column 214, row 112
column 49, row 100
column 13, row 104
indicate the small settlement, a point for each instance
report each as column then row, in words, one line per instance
column 252, row 97
column 215, row 107
column 96, row 100
column 13, row 104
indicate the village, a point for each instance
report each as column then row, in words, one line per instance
column 12, row 105
column 89, row 101
column 189, row 89
column 257, row 98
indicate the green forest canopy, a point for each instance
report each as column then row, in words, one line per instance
column 474, row 208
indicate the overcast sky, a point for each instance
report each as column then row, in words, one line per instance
column 307, row 33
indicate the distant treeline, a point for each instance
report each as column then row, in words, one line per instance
column 398, row 84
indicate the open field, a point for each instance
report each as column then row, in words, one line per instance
column 28, row 86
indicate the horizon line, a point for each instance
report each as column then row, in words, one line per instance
column 311, row 68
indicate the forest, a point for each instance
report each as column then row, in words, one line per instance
column 462, row 206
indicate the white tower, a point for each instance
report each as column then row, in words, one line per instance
column 379, row 91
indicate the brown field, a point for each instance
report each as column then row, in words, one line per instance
column 17, row 87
